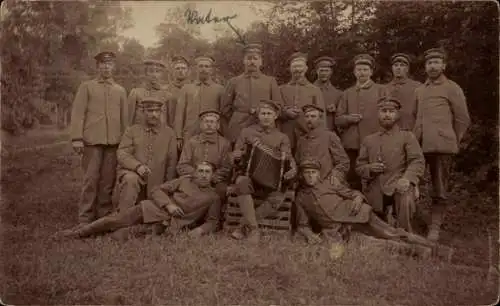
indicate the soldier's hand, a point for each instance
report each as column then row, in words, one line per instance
column 356, row 205
column 291, row 113
column 331, row 108
column 355, row 118
column 335, row 181
column 143, row 171
column 253, row 111
column 231, row 190
column 175, row 210
column 290, row 174
column 402, row 185
column 377, row 167
column 236, row 155
column 77, row 146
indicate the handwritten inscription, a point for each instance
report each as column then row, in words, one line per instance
column 194, row 17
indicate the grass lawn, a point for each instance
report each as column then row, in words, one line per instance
column 40, row 190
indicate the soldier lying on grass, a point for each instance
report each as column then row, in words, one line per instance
column 329, row 204
column 186, row 201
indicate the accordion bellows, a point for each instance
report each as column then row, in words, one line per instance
column 265, row 166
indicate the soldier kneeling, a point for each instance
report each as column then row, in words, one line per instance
column 328, row 205
column 188, row 200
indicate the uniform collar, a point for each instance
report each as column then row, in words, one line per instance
column 105, row 81
column 152, row 129
column 399, row 81
column 395, row 128
column 365, row 85
column 252, row 74
column 208, row 138
column 179, row 84
column 261, row 129
column 207, row 82
column 152, row 85
column 315, row 133
column 442, row 78
column 323, row 85
column 301, row 81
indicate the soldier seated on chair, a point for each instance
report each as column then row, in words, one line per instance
column 146, row 156
column 391, row 163
column 187, row 200
column 329, row 204
column 208, row 146
column 267, row 201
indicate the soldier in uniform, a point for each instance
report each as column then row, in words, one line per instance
column 98, row 120
column 355, row 113
column 328, row 204
column 331, row 95
column 442, row 120
column 322, row 145
column 403, row 88
column 194, row 98
column 208, row 146
column 266, row 203
column 151, row 87
column 147, row 156
column 180, row 67
column 244, row 92
column 297, row 93
column 391, row 163
column 180, row 203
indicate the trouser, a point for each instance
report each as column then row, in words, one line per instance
column 130, row 190
column 221, row 189
column 99, row 172
column 439, row 166
column 352, row 178
column 404, row 208
column 128, row 217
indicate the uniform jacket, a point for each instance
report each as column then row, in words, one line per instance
column 153, row 147
column 137, row 95
column 193, row 99
column 442, row 116
column 331, row 96
column 174, row 89
column 359, row 100
column 324, row 146
column 404, row 91
column 100, row 113
column 212, row 148
column 402, row 156
column 241, row 94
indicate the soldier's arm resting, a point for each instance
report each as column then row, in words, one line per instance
column 171, row 161
column 125, row 152
column 276, row 92
column 223, row 172
column 132, row 105
column 341, row 116
column 124, row 118
column 161, row 194
column 184, row 166
column 417, row 129
column 78, row 112
column 461, row 119
column 415, row 160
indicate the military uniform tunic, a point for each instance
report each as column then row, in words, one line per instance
column 174, row 89
column 193, row 99
column 404, row 91
column 331, row 96
column 242, row 94
column 137, row 95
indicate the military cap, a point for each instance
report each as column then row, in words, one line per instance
column 205, row 58
column 324, row 61
column 180, row 59
column 310, row 164
column 364, row 59
column 152, row 102
column 252, row 48
column 270, row 104
column 389, row 101
column 308, row 107
column 152, row 62
column 435, row 53
column 208, row 112
column 400, row 57
column 105, row 56
column 298, row 56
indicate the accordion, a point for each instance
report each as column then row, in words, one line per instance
column 266, row 167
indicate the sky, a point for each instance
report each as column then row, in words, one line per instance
column 148, row 14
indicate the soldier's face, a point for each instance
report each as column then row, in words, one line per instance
column 209, row 124
column 434, row 67
column 312, row 118
column 387, row 116
column 363, row 73
column 252, row 62
column 311, row 176
column 298, row 69
column 180, row 71
column 106, row 68
column 400, row 70
column 152, row 115
column 204, row 68
column 324, row 73
column 203, row 175
column 267, row 116
column 153, row 73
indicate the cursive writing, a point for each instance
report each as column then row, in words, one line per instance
column 193, row 17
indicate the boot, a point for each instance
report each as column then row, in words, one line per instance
column 238, row 234
column 158, row 228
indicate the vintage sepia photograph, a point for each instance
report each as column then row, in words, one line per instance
column 249, row 153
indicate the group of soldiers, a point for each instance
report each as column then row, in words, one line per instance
column 171, row 155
